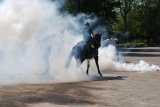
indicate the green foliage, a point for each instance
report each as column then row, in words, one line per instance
column 125, row 8
column 151, row 21
column 139, row 17
column 101, row 8
column 70, row 6
column 129, row 45
column 143, row 21
column 118, row 25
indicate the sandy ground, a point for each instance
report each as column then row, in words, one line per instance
column 121, row 89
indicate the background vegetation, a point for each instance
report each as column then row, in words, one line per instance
column 130, row 20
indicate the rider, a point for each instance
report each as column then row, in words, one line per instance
column 88, row 35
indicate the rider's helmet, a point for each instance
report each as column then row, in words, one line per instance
column 87, row 24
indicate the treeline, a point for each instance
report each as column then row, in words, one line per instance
column 129, row 19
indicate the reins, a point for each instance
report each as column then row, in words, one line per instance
column 96, row 41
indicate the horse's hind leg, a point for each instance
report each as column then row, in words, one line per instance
column 78, row 63
column 96, row 61
column 88, row 65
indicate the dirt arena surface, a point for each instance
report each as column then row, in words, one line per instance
column 115, row 89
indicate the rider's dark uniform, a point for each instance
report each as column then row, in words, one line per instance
column 87, row 32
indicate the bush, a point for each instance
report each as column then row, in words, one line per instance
column 132, row 45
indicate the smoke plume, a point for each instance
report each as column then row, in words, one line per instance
column 35, row 41
column 108, row 61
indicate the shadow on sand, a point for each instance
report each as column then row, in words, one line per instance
column 106, row 78
column 140, row 52
column 71, row 94
column 140, row 55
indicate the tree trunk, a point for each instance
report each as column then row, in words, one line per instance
column 78, row 6
column 125, row 22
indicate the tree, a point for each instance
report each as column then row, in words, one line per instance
column 101, row 8
column 125, row 8
column 138, row 17
column 151, row 21
column 142, row 20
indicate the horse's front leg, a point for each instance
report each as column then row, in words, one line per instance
column 88, row 65
column 96, row 61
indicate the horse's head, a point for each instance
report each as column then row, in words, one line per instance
column 97, row 38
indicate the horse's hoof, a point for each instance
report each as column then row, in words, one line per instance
column 101, row 75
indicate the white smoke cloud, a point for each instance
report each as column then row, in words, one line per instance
column 34, row 39
column 108, row 61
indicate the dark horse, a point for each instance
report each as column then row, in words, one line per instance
column 82, row 51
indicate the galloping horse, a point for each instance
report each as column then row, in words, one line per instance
column 82, row 51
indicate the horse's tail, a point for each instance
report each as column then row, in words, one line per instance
column 68, row 60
